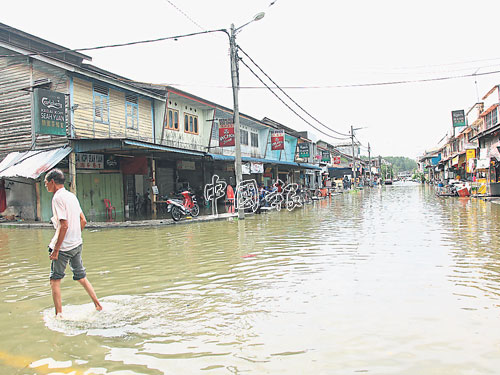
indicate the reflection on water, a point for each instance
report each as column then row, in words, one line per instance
column 391, row 280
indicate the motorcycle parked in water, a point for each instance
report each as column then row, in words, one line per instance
column 187, row 206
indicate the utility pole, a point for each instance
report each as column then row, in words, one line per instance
column 236, row 111
column 353, row 164
column 380, row 166
column 370, row 163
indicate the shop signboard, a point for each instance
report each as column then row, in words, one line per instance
column 471, row 165
column 458, row 118
column 304, row 150
column 245, row 168
column 325, row 156
column 256, row 167
column 471, row 154
column 111, row 162
column 226, row 133
column 336, row 160
column 49, row 112
column 277, row 140
column 454, row 161
column 89, row 161
column 186, row 165
column 483, row 164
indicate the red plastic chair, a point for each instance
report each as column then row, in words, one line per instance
column 110, row 210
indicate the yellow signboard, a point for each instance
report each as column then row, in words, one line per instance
column 471, row 154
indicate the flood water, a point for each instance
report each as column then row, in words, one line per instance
column 391, row 280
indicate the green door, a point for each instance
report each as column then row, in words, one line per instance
column 93, row 188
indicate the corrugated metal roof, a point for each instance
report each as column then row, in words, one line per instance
column 163, row 148
column 246, row 158
column 309, row 166
column 31, row 164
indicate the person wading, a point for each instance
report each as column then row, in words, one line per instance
column 66, row 245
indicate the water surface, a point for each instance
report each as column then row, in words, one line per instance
column 388, row 281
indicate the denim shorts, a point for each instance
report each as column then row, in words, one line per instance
column 74, row 256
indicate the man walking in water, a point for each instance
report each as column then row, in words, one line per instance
column 66, row 245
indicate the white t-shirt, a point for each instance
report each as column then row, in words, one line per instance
column 65, row 206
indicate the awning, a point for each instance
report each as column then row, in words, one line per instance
column 310, row 166
column 162, row 148
column 489, row 110
column 246, row 158
column 485, row 133
column 31, row 164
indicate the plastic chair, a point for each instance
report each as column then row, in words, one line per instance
column 109, row 210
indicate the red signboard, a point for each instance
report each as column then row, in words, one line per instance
column 226, row 133
column 336, row 160
column 278, row 140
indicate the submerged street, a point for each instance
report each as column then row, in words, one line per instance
column 388, row 280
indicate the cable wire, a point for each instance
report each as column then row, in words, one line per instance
column 45, row 53
column 288, row 96
column 387, row 83
column 290, row 108
column 185, row 15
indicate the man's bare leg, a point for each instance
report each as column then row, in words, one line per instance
column 90, row 291
column 55, row 285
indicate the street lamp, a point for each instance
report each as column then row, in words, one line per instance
column 352, row 144
column 236, row 85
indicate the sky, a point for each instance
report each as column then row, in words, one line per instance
column 323, row 53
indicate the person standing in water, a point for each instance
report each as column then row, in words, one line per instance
column 66, row 245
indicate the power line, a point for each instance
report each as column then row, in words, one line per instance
column 290, row 108
column 288, row 96
column 447, row 64
column 387, row 83
column 45, row 53
column 373, row 84
column 185, row 15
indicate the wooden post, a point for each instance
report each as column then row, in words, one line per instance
column 153, row 182
column 38, row 214
column 72, row 172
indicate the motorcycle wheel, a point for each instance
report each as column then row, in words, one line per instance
column 195, row 211
column 176, row 213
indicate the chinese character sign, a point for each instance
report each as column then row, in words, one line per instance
column 226, row 133
column 336, row 160
column 49, row 112
column 89, row 161
column 277, row 140
column 275, row 198
column 214, row 191
column 247, row 194
column 303, row 150
column 292, row 198
column 458, row 118
column 325, row 156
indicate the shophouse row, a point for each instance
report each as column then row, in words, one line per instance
column 471, row 150
column 130, row 142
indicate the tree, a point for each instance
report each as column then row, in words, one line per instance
column 401, row 163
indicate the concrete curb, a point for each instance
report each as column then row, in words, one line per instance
column 125, row 224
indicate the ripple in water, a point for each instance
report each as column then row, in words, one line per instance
column 121, row 316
